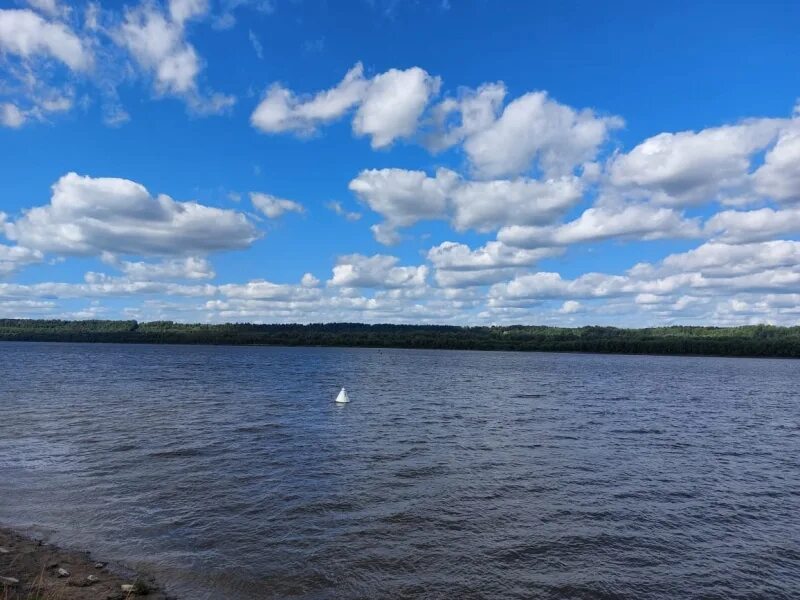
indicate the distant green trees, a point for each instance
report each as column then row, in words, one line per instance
column 751, row 340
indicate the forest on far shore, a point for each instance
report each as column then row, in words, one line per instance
column 750, row 340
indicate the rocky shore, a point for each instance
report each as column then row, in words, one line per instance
column 33, row 570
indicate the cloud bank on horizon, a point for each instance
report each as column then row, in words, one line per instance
column 396, row 194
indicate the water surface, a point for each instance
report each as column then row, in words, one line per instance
column 229, row 473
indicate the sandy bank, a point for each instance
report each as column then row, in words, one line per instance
column 32, row 570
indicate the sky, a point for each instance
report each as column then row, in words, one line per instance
column 459, row 162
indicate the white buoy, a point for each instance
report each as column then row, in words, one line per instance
column 342, row 397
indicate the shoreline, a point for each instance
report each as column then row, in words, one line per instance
column 747, row 341
column 31, row 569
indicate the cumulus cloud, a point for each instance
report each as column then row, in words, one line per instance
column 715, row 283
column 534, row 128
column 308, row 280
column 273, row 207
column 454, row 119
column 487, row 205
column 393, row 105
column 98, row 285
column 157, row 42
column 90, row 216
column 457, row 265
column 779, row 177
column 378, row 271
column 570, row 307
column 101, row 53
column 635, row 221
column 688, row 167
column 721, row 260
column 13, row 258
column 405, row 197
column 261, row 290
column 459, row 257
column 743, row 226
column 42, row 60
column 389, row 105
column 191, row 267
column 709, row 276
column 532, row 133
column 28, row 35
column 281, row 110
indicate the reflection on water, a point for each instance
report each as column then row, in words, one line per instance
column 230, row 473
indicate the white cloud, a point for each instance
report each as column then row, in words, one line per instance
column 570, row 307
column 281, row 110
column 308, row 280
column 719, row 260
column 191, row 267
column 405, row 197
column 28, row 35
column 158, row 45
column 779, row 177
column 536, row 129
column 111, row 46
column 261, row 290
column 115, row 116
column 703, row 279
column 51, row 8
column 385, row 234
column 487, row 205
column 157, row 42
column 256, row 43
column 273, row 207
column 690, row 167
column 13, row 258
column 378, row 271
column 458, row 266
column 393, row 105
column 533, row 131
column 715, row 283
column 89, row 216
column 635, row 221
column 336, row 206
column 459, row 257
column 753, row 225
column 476, row 110
column 182, row 10
column 547, row 285
column 40, row 108
column 11, row 115
column 389, row 105
column 98, row 285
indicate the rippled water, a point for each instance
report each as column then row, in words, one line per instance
column 230, row 474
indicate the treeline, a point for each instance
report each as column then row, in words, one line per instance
column 754, row 340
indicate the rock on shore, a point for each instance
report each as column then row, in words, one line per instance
column 31, row 569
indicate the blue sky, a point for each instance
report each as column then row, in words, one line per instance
column 398, row 161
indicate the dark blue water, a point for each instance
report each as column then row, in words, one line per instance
column 230, row 474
